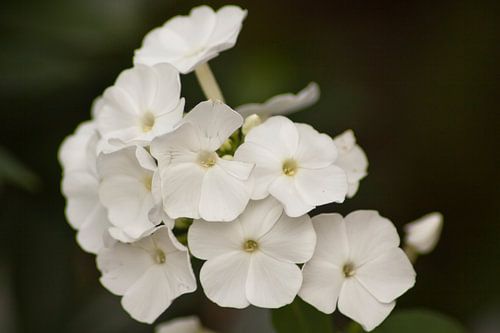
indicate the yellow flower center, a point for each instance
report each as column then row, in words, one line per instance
column 349, row 270
column 147, row 122
column 250, row 246
column 290, row 167
column 160, row 257
column 207, row 159
column 148, row 182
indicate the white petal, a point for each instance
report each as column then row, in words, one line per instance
column 332, row 244
column 179, row 146
column 321, row 186
column 149, row 297
column 315, row 150
column 181, row 186
column 223, row 196
column 92, row 232
column 423, row 234
column 358, row 304
column 272, row 283
column 284, row 189
column 278, row 135
column 180, row 325
column 121, row 266
column 78, row 151
column 238, row 169
column 81, row 192
column 259, row 217
column 283, row 104
column 227, row 28
column 388, row 276
column 291, row 239
column 321, row 285
column 369, row 235
column 215, row 122
column 224, row 279
column 210, row 239
column 267, row 167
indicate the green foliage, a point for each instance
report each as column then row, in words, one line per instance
column 419, row 321
column 300, row 317
column 13, row 172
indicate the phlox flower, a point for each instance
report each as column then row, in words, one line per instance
column 130, row 190
column 352, row 159
column 293, row 163
column 282, row 104
column 189, row 41
column 143, row 103
column 252, row 260
column 423, row 234
column 182, row 325
column 80, row 187
column 149, row 273
column 196, row 182
column 357, row 263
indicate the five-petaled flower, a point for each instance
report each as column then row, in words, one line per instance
column 252, row 260
column 149, row 273
column 293, row 163
column 196, row 182
column 189, row 41
column 358, row 264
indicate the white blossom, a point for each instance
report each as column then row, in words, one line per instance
column 295, row 164
column 283, row 104
column 357, row 263
column 80, row 186
column 423, row 234
column 149, row 273
column 143, row 103
column 252, row 260
column 130, row 190
column 196, row 182
column 189, row 41
column 182, row 325
column 352, row 159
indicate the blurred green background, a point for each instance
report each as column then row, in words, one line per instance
column 415, row 80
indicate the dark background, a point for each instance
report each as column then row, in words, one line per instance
column 415, row 80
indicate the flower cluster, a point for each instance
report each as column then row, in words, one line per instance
column 149, row 184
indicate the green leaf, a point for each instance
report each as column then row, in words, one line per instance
column 300, row 317
column 419, row 321
column 15, row 173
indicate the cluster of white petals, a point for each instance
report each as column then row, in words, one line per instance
column 148, row 186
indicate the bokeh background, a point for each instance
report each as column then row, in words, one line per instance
column 415, row 80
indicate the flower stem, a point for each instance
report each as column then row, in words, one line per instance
column 208, row 83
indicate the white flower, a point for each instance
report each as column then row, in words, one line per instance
column 196, row 182
column 295, row 164
column 252, row 260
column 182, row 325
column 80, row 186
column 144, row 103
column 130, row 190
column 351, row 159
column 149, row 273
column 423, row 234
column 358, row 263
column 189, row 41
column 283, row 104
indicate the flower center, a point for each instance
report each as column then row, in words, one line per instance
column 290, row 167
column 148, row 182
column 207, row 159
column 250, row 246
column 349, row 270
column 160, row 257
column 147, row 122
